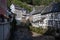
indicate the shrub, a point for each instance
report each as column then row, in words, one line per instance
column 38, row 30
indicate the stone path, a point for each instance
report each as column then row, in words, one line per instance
column 22, row 34
column 35, row 34
column 44, row 38
column 25, row 34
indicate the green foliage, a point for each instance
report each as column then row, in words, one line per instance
column 38, row 30
column 23, row 5
column 36, row 2
column 27, row 1
column 45, row 2
column 40, row 2
column 57, row 0
column 9, row 3
column 19, row 3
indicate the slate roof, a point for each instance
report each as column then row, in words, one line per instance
column 54, row 7
column 38, row 9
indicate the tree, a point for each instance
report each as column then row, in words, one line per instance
column 26, row 1
column 57, row 0
column 36, row 2
column 23, row 5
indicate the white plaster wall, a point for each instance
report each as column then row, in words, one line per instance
column 40, row 17
column 36, row 17
column 19, row 14
column 48, row 21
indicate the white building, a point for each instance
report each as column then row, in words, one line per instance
column 49, row 16
column 20, row 13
